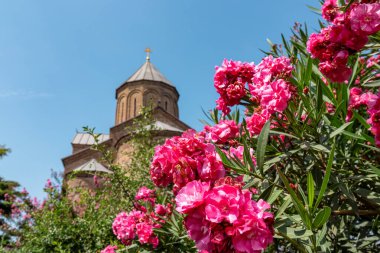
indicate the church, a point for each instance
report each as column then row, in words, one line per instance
column 147, row 86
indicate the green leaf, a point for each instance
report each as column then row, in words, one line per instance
column 372, row 84
column 297, row 203
column 310, row 190
column 266, row 194
column 261, row 146
column 322, row 217
column 361, row 119
column 273, row 197
column 319, row 147
column 281, row 133
column 370, row 147
column 282, row 156
column 340, row 129
column 297, row 245
column 308, row 71
column 326, row 177
column 321, row 235
column 349, row 134
column 247, row 156
column 375, row 170
column 354, row 70
column 294, row 233
column 284, row 205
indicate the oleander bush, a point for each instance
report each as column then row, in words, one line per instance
column 294, row 167
column 288, row 161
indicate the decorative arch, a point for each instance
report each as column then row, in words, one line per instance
column 151, row 97
column 167, row 103
column 133, row 103
column 121, row 109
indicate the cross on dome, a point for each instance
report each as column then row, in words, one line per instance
column 148, row 51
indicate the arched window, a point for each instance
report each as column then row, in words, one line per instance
column 134, row 108
column 166, row 105
column 122, row 112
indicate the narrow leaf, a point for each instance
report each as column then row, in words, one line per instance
column 284, row 205
column 310, row 190
column 322, row 217
column 273, row 197
column 340, row 129
column 326, row 177
column 261, row 146
column 297, row 203
column 266, row 194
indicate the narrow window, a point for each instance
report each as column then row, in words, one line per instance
column 166, row 105
column 134, row 108
column 122, row 112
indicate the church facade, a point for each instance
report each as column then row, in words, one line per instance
column 147, row 86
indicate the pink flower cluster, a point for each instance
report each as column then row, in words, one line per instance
column 374, row 118
column 358, row 99
column 185, row 158
column 371, row 101
column 109, row 249
column 266, row 83
column 238, row 152
column 141, row 221
column 270, row 90
column 230, row 80
column 222, row 132
column 225, row 218
column 348, row 34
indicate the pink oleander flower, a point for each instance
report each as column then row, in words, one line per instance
column 191, row 196
column 336, row 73
column 145, row 193
column 253, row 232
column 109, row 249
column 342, row 35
column 355, row 100
column 222, row 132
column 320, row 45
column 124, row 226
column 24, row 191
column 238, row 152
column 230, row 80
column 222, row 203
column 210, row 166
column 374, row 117
column 127, row 226
column 96, row 180
column 228, row 220
column 269, row 69
column 365, row 18
column 199, row 229
column 275, row 96
column 330, row 10
column 48, row 184
column 185, row 158
column 161, row 210
column 144, row 232
column 256, row 122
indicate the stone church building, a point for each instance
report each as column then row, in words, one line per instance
column 147, row 86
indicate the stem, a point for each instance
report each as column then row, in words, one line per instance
column 358, row 213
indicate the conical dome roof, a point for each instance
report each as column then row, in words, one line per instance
column 148, row 72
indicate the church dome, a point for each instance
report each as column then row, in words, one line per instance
column 148, row 72
column 146, row 87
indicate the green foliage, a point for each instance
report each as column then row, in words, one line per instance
column 323, row 178
column 4, row 151
column 85, row 225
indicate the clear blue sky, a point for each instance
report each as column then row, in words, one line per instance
column 61, row 61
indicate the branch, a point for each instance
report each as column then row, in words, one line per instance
column 358, row 213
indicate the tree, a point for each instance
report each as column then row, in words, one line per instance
column 57, row 226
